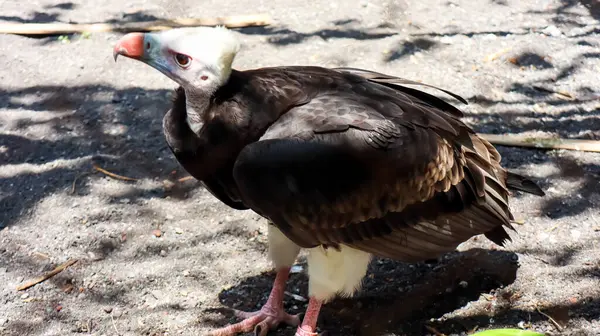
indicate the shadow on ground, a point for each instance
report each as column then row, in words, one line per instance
column 396, row 297
column 405, row 299
column 92, row 124
column 284, row 36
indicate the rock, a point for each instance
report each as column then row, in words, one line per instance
column 552, row 30
column 95, row 256
column 446, row 40
column 117, row 313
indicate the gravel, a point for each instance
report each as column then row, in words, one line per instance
column 528, row 67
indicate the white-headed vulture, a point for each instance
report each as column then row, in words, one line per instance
column 346, row 163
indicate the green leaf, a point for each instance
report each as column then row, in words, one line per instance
column 507, row 332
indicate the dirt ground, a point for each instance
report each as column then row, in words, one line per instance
column 526, row 67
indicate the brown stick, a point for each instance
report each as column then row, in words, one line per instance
column 556, row 324
column 48, row 275
column 546, row 143
column 69, row 28
column 434, row 331
column 113, row 175
column 185, row 178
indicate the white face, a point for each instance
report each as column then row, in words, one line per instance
column 196, row 58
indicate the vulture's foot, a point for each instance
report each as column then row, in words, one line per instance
column 309, row 323
column 261, row 322
column 302, row 331
column 268, row 317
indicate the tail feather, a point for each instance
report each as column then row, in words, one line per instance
column 518, row 182
column 498, row 235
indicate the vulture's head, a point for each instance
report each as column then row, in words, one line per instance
column 195, row 58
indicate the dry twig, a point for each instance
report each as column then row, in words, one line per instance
column 434, row 331
column 556, row 324
column 185, row 178
column 494, row 56
column 70, row 28
column 114, row 324
column 546, row 143
column 562, row 94
column 48, row 275
column 75, row 181
column 113, row 175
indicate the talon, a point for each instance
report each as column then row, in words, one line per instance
column 261, row 329
column 268, row 318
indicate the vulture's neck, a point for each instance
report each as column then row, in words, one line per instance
column 196, row 104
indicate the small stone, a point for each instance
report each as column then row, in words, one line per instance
column 24, row 296
column 463, row 284
column 157, row 233
column 94, row 256
column 163, row 253
column 552, row 30
column 446, row 40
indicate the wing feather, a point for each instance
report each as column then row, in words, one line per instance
column 382, row 169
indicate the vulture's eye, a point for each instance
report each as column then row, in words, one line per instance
column 183, row 60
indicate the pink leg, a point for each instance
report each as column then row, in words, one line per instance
column 268, row 317
column 309, row 324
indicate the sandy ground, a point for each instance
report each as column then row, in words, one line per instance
column 66, row 106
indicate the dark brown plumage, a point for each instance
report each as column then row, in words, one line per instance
column 345, row 162
column 346, row 156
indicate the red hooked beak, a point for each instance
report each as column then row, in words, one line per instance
column 130, row 45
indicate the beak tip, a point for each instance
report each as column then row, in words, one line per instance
column 118, row 50
column 131, row 45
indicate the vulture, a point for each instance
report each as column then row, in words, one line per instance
column 345, row 163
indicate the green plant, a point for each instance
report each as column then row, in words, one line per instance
column 507, row 332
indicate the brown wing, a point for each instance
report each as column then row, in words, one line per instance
column 377, row 169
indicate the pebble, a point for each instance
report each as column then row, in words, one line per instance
column 163, row 253
column 446, row 40
column 24, row 296
column 95, row 256
column 117, row 313
column 552, row 30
